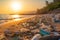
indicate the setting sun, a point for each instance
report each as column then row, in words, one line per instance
column 16, row 6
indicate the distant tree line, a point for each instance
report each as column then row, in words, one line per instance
column 53, row 6
column 49, row 7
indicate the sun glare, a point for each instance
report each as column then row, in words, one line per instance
column 15, row 16
column 16, row 6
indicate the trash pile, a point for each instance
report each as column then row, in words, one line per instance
column 28, row 29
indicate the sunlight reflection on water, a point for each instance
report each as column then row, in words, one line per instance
column 15, row 16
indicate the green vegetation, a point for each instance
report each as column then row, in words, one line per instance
column 49, row 7
column 53, row 6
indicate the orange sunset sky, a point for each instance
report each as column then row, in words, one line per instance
column 20, row 6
